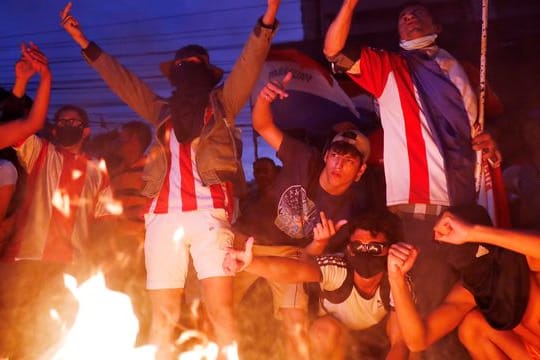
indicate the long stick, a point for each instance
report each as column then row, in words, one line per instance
column 479, row 124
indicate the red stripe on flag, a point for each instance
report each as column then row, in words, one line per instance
column 187, row 181
column 502, row 209
column 58, row 245
column 416, row 146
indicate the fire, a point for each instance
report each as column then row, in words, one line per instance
column 75, row 174
column 60, row 200
column 105, row 327
column 102, row 165
column 114, row 207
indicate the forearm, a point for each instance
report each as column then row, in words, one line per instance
column 19, row 88
column 126, row 85
column 263, row 123
column 38, row 113
column 412, row 327
column 339, row 29
column 283, row 269
column 524, row 243
column 246, row 70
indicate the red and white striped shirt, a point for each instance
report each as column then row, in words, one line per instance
column 182, row 188
column 64, row 192
column 414, row 166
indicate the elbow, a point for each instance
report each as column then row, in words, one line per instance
column 330, row 52
column 417, row 345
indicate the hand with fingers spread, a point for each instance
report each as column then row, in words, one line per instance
column 450, row 229
column 322, row 232
column 237, row 260
column 401, row 258
column 33, row 57
column 72, row 26
column 275, row 89
column 486, row 144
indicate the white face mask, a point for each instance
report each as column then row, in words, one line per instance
column 418, row 43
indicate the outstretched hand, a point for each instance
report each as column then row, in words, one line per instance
column 35, row 59
column 275, row 88
column 237, row 260
column 450, row 229
column 401, row 258
column 72, row 26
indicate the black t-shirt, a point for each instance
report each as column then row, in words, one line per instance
column 287, row 214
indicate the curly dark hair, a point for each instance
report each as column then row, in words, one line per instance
column 379, row 221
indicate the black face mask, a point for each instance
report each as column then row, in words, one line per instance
column 69, row 135
column 367, row 265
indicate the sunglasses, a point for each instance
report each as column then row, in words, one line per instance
column 371, row 248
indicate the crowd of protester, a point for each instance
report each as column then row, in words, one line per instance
column 169, row 209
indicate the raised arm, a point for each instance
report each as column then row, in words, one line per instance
column 337, row 33
column 20, row 129
column 453, row 230
column 262, row 117
column 246, row 70
column 418, row 333
column 126, row 85
column 274, row 268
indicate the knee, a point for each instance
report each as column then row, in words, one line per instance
column 325, row 332
column 294, row 321
column 472, row 329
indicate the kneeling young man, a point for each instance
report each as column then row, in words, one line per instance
column 354, row 290
column 494, row 305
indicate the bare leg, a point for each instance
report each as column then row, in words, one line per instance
column 218, row 300
column 295, row 326
column 484, row 342
column 327, row 338
column 165, row 315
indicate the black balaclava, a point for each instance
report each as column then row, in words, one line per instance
column 193, row 83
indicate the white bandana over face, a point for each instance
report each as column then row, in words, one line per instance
column 418, row 43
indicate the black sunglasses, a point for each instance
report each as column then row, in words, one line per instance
column 371, row 248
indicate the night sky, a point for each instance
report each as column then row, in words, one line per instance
column 141, row 34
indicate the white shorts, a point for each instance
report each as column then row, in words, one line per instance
column 170, row 238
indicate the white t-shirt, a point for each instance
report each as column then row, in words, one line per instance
column 8, row 173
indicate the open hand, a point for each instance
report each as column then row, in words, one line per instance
column 33, row 57
column 237, row 260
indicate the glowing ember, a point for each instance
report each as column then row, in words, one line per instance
column 75, row 174
column 102, row 165
column 60, row 200
column 114, row 207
